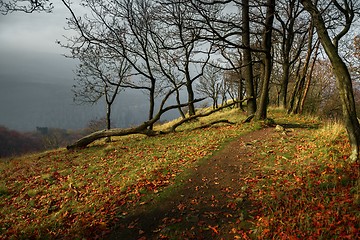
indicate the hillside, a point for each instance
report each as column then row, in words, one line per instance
column 242, row 181
column 27, row 105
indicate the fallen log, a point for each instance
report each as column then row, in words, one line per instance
column 83, row 142
column 143, row 128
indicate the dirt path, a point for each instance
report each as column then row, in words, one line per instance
column 212, row 199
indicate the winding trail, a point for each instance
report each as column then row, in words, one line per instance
column 209, row 202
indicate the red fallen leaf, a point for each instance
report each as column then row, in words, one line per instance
column 163, row 237
column 214, row 229
column 181, row 207
column 266, row 231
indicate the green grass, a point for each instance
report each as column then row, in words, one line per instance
column 78, row 194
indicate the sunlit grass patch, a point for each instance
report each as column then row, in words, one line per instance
column 332, row 131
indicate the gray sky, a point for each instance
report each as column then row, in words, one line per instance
column 35, row 79
column 28, row 48
column 33, row 32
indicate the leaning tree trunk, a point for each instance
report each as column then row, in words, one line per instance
column 343, row 79
column 179, row 103
column 295, row 101
column 308, row 79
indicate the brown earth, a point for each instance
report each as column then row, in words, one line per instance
column 212, row 200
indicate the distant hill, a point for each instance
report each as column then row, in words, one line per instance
column 26, row 105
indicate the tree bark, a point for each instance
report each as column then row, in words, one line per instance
column 267, row 61
column 247, row 59
column 179, row 102
column 191, row 95
column 108, row 120
column 343, row 79
column 284, row 84
column 295, row 100
column 152, row 103
column 308, row 79
column 83, row 142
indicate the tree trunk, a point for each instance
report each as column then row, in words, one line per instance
column 190, row 98
column 240, row 94
column 108, row 119
column 343, row 80
column 152, row 104
column 179, row 103
column 308, row 79
column 247, row 60
column 284, row 84
column 266, row 45
column 288, row 35
column 108, row 116
column 141, row 129
column 83, row 142
column 296, row 97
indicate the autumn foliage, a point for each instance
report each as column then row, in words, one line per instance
column 16, row 143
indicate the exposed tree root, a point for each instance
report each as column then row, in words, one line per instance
column 214, row 122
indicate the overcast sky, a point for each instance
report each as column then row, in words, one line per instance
column 35, row 79
column 28, row 48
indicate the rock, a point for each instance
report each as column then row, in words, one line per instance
column 279, row 128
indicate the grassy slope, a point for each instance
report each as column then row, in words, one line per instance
column 80, row 193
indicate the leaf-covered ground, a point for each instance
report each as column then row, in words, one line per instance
column 262, row 185
column 265, row 185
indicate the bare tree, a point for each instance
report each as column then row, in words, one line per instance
column 184, row 50
column 297, row 94
column 126, row 29
column 291, row 27
column 98, row 75
column 309, row 78
column 211, row 84
column 26, row 6
column 227, row 24
column 233, row 83
column 347, row 8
